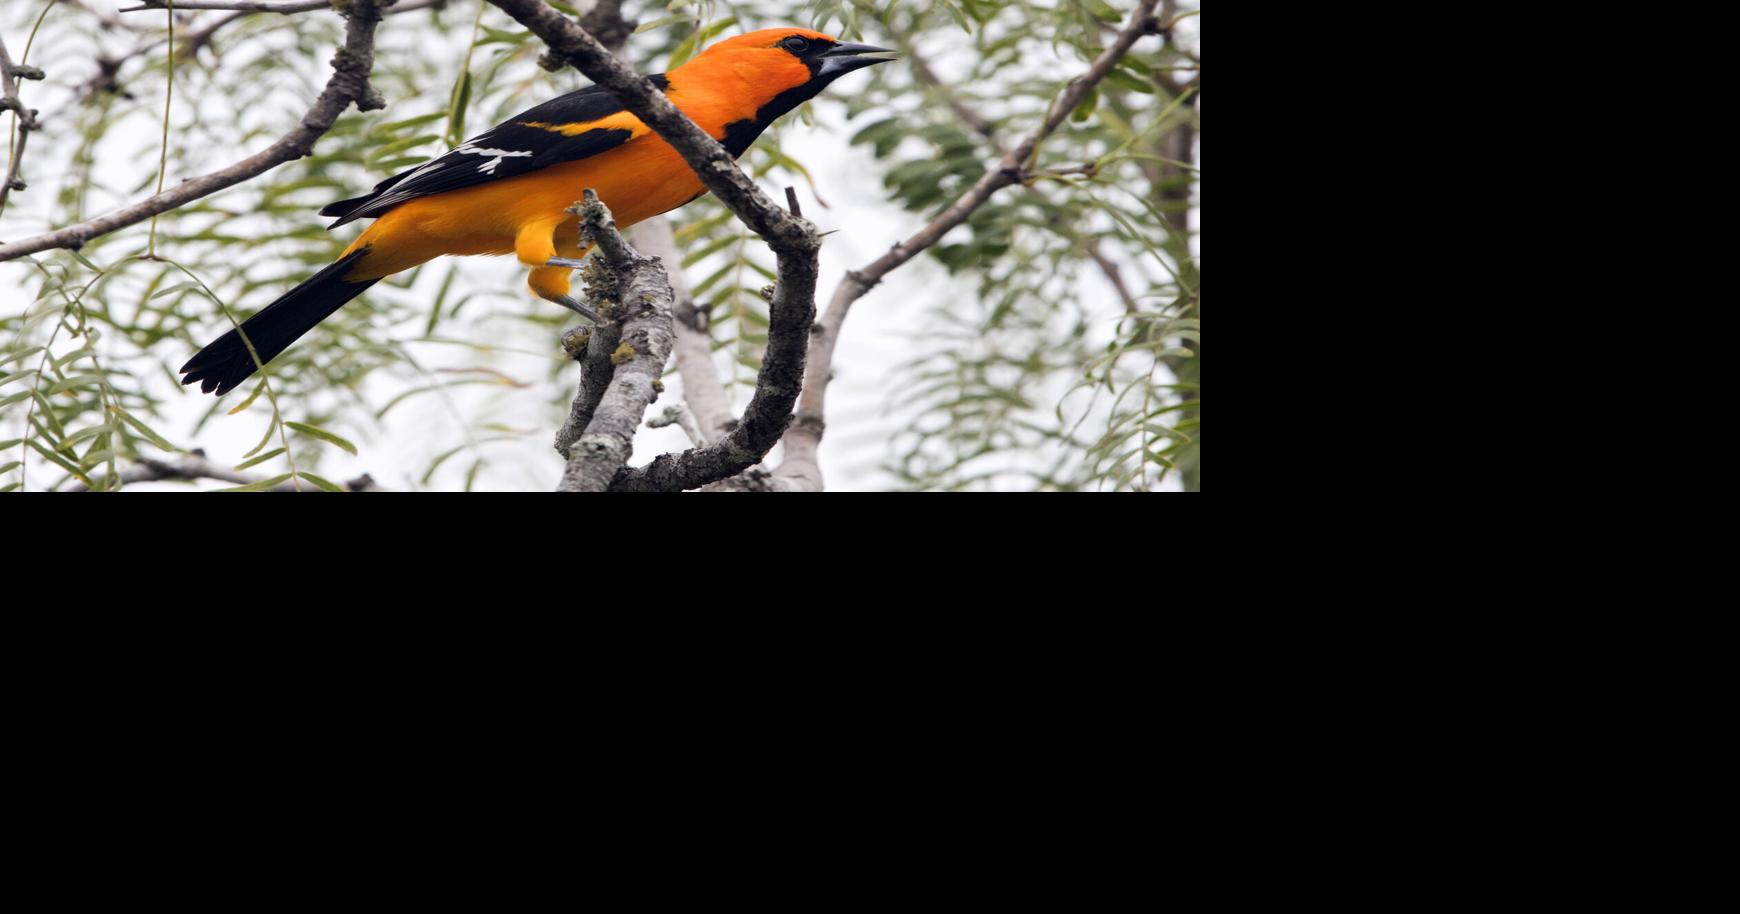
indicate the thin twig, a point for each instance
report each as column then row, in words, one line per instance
column 592, row 347
column 26, row 118
column 283, row 7
column 983, row 126
column 803, row 439
column 349, row 83
column 678, row 415
column 605, row 22
column 1113, row 273
column 246, row 6
column 194, row 465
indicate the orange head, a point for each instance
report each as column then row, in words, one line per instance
column 775, row 70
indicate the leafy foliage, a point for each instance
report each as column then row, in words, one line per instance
column 1077, row 365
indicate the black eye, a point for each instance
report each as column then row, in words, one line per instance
column 795, row 44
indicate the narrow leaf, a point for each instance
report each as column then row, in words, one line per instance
column 316, row 431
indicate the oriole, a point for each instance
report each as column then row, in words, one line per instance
column 507, row 190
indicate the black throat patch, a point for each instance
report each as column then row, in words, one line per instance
column 740, row 134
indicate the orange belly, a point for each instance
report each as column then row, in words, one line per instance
column 637, row 180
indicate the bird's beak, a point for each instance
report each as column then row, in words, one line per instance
column 843, row 58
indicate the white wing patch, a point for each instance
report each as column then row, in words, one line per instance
column 406, row 189
column 498, row 155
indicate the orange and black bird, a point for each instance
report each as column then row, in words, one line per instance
column 507, row 190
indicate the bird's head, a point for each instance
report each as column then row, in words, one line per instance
column 793, row 60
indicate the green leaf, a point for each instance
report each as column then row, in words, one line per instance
column 324, row 484
column 440, row 301
column 460, row 101
column 700, row 39
column 315, row 431
column 260, row 486
column 83, row 260
column 1133, row 83
column 256, row 461
column 1135, row 65
column 72, row 357
column 661, row 23
column 265, row 439
column 1086, row 109
column 178, row 287
column 386, row 150
column 21, row 354
column 417, row 121
column 251, row 398
column 77, row 380
column 156, row 440
column 60, row 461
column 82, row 435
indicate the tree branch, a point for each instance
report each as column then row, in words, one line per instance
column 804, row 438
column 643, row 310
column 702, row 389
column 349, row 83
column 677, row 415
column 795, row 244
column 284, row 7
column 791, row 311
column 194, row 465
column 605, row 22
column 25, row 117
column 246, row 6
column 983, row 126
column 709, row 413
column 592, row 347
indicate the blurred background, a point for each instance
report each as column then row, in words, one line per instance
column 1053, row 342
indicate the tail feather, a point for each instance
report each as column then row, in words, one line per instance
column 226, row 361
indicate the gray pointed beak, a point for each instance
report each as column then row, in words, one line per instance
column 843, row 58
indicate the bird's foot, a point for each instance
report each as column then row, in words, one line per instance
column 564, row 262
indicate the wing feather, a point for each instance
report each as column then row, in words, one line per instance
column 565, row 129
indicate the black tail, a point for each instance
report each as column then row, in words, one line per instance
column 226, row 362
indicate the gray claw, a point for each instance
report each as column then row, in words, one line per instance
column 563, row 262
column 573, row 304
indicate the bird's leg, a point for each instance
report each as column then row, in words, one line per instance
column 573, row 304
column 535, row 246
column 551, row 283
column 535, row 242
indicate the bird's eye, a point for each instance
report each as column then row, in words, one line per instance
column 795, row 44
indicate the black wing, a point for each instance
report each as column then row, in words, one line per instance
column 506, row 150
